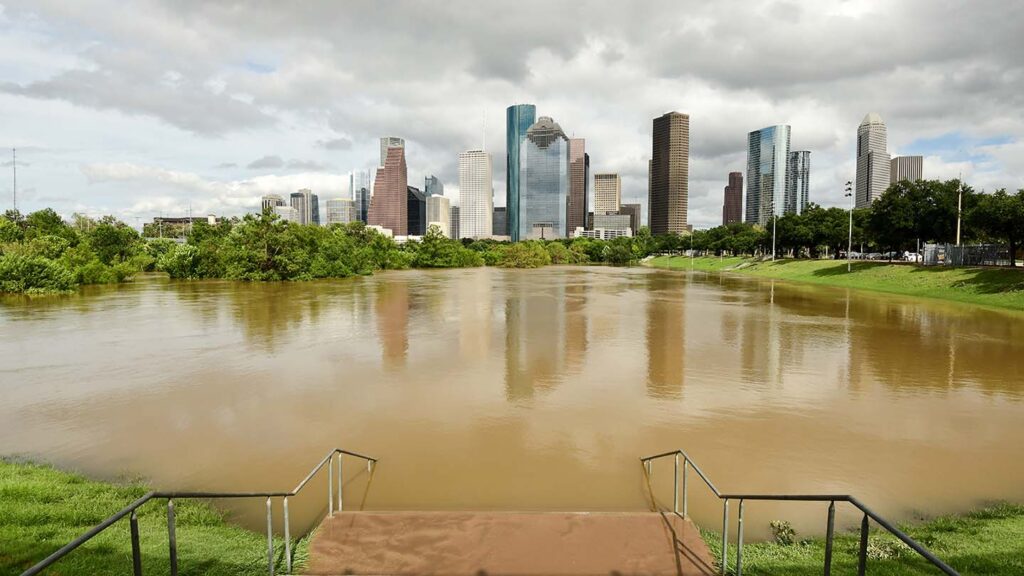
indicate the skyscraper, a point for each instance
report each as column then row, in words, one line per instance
column 389, row 206
column 767, row 159
column 607, row 193
column 873, row 162
column 476, row 194
column 307, row 205
column 544, row 181
column 456, row 233
column 286, row 213
column 669, row 171
column 732, row 209
column 269, row 201
column 499, row 224
column 579, row 168
column 341, row 211
column 906, row 168
column 432, row 186
column 439, row 213
column 359, row 184
column 389, row 142
column 416, row 211
column 518, row 119
column 633, row 210
column 798, row 178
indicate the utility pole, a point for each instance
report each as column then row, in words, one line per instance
column 959, row 206
column 849, row 243
column 14, row 167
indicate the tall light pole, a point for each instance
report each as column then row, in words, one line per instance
column 959, row 207
column 774, row 219
column 849, row 243
column 14, row 167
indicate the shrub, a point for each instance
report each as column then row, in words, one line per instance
column 783, row 532
column 33, row 274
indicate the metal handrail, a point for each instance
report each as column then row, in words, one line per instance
column 171, row 496
column 830, row 526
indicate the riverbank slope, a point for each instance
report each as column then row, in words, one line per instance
column 995, row 287
column 42, row 509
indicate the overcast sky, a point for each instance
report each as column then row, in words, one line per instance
column 146, row 108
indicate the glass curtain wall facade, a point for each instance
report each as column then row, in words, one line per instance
column 798, row 177
column 432, row 186
column 359, row 184
column 767, row 159
column 518, row 119
column 544, row 181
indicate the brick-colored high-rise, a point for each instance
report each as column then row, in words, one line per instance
column 389, row 205
column 670, row 174
column 732, row 209
column 579, row 174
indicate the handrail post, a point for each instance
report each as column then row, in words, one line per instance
column 172, row 542
column 686, row 467
column 725, row 535
column 136, row 551
column 340, row 457
column 675, row 485
column 739, row 542
column 830, row 530
column 270, row 537
column 862, row 556
column 287, row 537
column 330, row 485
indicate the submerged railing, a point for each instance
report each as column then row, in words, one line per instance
column 130, row 510
column 830, row 526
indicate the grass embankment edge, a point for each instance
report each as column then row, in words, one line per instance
column 42, row 509
column 1001, row 288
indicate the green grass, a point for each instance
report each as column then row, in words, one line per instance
column 988, row 541
column 42, row 509
column 994, row 287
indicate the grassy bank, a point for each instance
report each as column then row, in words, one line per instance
column 41, row 509
column 996, row 287
column 988, row 541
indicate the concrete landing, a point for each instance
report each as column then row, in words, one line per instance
column 478, row 543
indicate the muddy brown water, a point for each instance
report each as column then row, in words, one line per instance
column 492, row 389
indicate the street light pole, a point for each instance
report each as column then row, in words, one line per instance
column 849, row 243
column 959, row 208
column 773, row 232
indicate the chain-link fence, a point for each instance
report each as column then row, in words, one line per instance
column 971, row 255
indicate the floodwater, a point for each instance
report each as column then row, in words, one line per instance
column 489, row 389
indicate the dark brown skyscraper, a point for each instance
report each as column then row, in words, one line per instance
column 732, row 210
column 576, row 204
column 389, row 205
column 670, row 174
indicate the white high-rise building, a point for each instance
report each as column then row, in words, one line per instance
column 607, row 193
column 287, row 213
column 906, row 168
column 389, row 142
column 873, row 161
column 439, row 213
column 341, row 211
column 476, row 193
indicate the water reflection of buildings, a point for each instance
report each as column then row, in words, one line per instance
column 545, row 334
column 666, row 336
column 391, row 307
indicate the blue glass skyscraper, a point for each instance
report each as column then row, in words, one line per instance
column 518, row 119
column 543, row 182
column 767, row 160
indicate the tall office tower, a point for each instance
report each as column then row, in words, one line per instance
column 389, row 207
column 576, row 209
column 456, row 233
column 607, row 193
column 732, row 209
column 798, row 178
column 767, row 159
column 439, row 213
column 389, row 142
column 633, row 211
column 416, row 211
column 341, row 211
column 669, row 174
column 518, row 119
column 359, row 184
column 906, row 168
column 476, row 194
column 544, row 182
column 499, row 223
column 432, row 186
column 308, row 206
column 269, row 201
column 286, row 213
column 873, row 162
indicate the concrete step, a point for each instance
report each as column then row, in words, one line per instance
column 520, row 543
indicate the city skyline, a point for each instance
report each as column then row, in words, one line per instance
column 257, row 109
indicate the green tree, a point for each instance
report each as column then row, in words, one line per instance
column 527, row 254
column 999, row 217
